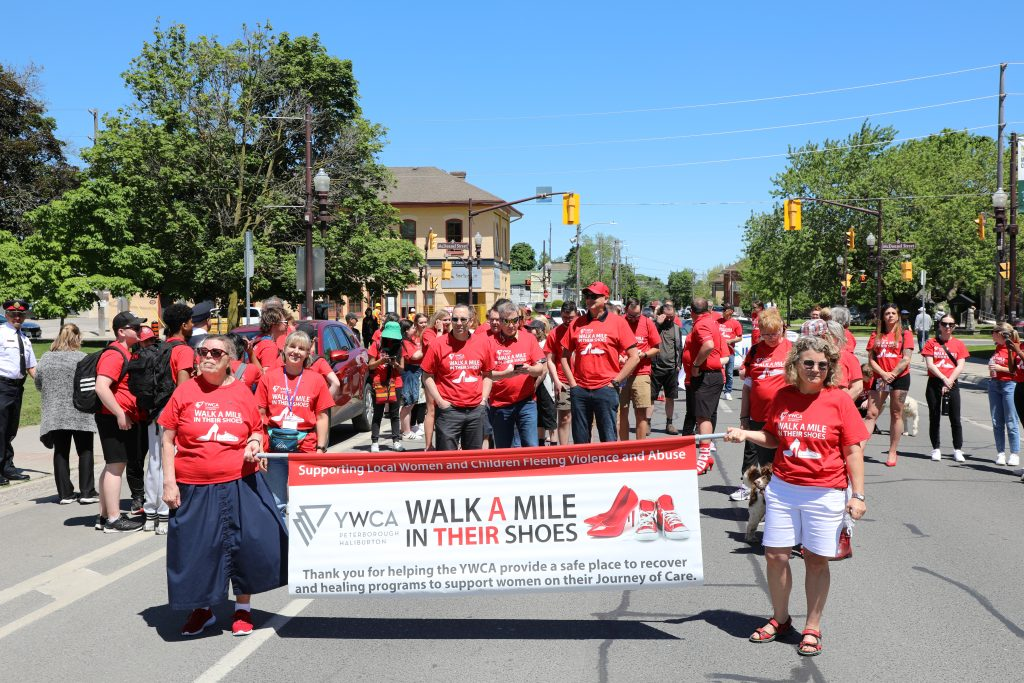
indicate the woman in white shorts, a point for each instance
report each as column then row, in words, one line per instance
column 816, row 432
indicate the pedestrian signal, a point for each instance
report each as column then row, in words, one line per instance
column 851, row 239
column 792, row 211
column 571, row 208
column 446, row 270
column 907, row 270
column 980, row 220
column 1004, row 270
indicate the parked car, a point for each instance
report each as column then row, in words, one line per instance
column 740, row 349
column 28, row 327
column 340, row 347
column 219, row 318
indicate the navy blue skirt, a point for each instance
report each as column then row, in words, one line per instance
column 225, row 532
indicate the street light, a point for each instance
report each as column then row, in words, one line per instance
column 478, row 242
column 579, row 231
column 999, row 202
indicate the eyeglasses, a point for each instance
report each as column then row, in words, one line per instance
column 589, row 295
column 766, row 335
column 822, row 365
column 511, row 321
column 945, row 324
column 460, row 320
column 215, row 354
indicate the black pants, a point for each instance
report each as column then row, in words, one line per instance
column 690, row 419
column 135, row 470
column 62, row 463
column 378, row 415
column 459, row 425
column 10, row 418
column 753, row 454
column 933, row 392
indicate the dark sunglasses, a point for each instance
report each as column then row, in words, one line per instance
column 215, row 354
column 460, row 320
column 511, row 321
column 945, row 324
column 809, row 365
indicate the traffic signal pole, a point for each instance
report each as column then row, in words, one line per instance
column 1014, row 198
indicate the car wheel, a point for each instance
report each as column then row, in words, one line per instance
column 362, row 421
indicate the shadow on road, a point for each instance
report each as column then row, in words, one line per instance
column 982, row 600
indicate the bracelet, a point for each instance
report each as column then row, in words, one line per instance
column 744, row 417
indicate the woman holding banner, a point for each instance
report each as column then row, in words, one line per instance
column 224, row 525
column 816, row 432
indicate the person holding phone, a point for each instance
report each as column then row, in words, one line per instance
column 386, row 365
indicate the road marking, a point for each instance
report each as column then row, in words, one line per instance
column 226, row 664
column 75, row 585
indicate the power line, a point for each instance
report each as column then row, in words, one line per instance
column 717, row 104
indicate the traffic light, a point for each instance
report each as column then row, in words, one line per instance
column 863, row 276
column 851, row 239
column 571, row 208
column 792, row 210
column 849, row 279
column 432, row 240
column 980, row 220
column 907, row 270
column 446, row 270
column 528, row 283
column 1004, row 270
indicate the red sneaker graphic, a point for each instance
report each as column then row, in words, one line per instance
column 647, row 524
column 669, row 521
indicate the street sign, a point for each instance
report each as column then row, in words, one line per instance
column 898, row 246
column 318, row 269
column 924, row 277
column 453, row 245
column 249, row 258
column 546, row 189
column 450, row 253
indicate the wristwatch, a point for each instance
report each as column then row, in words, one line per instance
column 322, row 449
column 617, row 384
column 858, row 496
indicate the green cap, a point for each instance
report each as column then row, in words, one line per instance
column 392, row 330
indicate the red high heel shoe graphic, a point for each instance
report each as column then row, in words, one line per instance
column 620, row 497
column 615, row 520
column 647, row 523
column 669, row 521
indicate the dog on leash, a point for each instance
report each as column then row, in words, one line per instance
column 910, row 415
column 757, row 478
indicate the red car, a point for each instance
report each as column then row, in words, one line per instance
column 340, row 347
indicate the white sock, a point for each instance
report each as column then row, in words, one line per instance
column 244, row 606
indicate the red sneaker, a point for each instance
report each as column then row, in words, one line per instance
column 242, row 624
column 198, row 621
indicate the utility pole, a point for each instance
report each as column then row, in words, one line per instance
column 618, row 246
column 1000, row 215
column 1015, row 162
column 101, row 310
column 579, row 282
column 309, row 212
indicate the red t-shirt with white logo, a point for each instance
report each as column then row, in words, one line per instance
column 111, row 364
column 849, row 369
column 814, row 431
column 294, row 402
column 730, row 328
column 647, row 337
column 851, row 341
column 213, row 424
column 765, row 367
column 940, row 359
column 522, row 349
column 553, row 345
column 594, row 345
column 458, row 369
column 705, row 327
column 1001, row 356
column 888, row 350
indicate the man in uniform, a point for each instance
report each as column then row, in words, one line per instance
column 200, row 323
column 17, row 362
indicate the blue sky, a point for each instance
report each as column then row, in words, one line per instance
column 570, row 94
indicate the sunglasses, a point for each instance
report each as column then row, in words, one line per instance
column 822, row 365
column 215, row 354
column 945, row 324
column 15, row 314
column 511, row 321
column 460, row 320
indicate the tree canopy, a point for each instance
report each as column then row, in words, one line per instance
column 523, row 257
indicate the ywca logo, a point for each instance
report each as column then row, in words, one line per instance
column 309, row 519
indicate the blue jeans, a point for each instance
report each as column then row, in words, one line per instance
column 594, row 405
column 518, row 419
column 729, row 367
column 1004, row 414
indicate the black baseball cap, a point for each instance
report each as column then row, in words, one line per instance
column 126, row 319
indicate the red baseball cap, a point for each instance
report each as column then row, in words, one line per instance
column 146, row 332
column 599, row 288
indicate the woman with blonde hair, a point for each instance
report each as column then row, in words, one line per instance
column 889, row 350
column 61, row 422
column 1002, row 369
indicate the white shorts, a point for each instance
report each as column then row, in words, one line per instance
column 809, row 515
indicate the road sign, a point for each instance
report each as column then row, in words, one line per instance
column 453, row 245
column 546, row 189
column 455, row 252
column 924, row 277
column 318, row 269
column 842, row 290
column 249, row 258
column 898, row 246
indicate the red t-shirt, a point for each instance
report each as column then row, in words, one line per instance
column 849, row 368
column 111, row 364
column 647, row 337
column 458, row 369
column 294, row 402
column 940, row 359
column 381, row 374
column 730, row 328
column 851, row 341
column 1001, row 356
column 813, row 432
column 704, row 328
column 267, row 353
column 321, row 367
column 553, row 345
column 409, row 349
column 250, row 375
column 765, row 367
column 594, row 346
column 687, row 364
column 183, row 357
column 888, row 350
column 505, row 351
column 428, row 337
column 213, row 424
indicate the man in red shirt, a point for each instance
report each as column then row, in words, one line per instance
column 590, row 359
column 705, row 344
column 755, row 314
column 456, row 375
column 638, row 387
column 553, row 348
column 518, row 361
column 732, row 334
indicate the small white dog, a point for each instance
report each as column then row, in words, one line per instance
column 910, row 417
column 757, row 478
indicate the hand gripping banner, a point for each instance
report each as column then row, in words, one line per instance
column 620, row 515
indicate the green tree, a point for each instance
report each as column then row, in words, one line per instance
column 523, row 257
column 680, row 286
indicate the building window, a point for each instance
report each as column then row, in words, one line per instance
column 453, row 230
column 408, row 303
column 407, row 230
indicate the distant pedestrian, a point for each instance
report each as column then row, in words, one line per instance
column 352, row 320
column 553, row 349
column 706, row 344
column 922, row 326
column 200, row 323
column 17, row 363
column 61, row 422
column 1003, row 368
column 944, row 356
column 732, row 334
column 889, row 350
column 369, row 326
column 666, row 365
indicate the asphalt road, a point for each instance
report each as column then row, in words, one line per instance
column 932, row 593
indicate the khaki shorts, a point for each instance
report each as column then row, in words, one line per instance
column 562, row 401
column 636, row 391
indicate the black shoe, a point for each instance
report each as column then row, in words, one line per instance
column 122, row 525
column 100, row 521
column 4, row 481
column 14, row 475
column 137, row 506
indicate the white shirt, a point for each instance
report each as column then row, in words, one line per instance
column 923, row 322
column 10, row 364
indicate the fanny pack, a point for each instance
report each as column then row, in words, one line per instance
column 285, row 440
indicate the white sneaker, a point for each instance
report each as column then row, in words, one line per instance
column 1014, row 460
column 728, row 396
column 150, row 524
column 1001, row 459
column 936, row 455
column 397, row 445
column 959, row 456
column 374, row 448
column 417, row 431
column 742, row 493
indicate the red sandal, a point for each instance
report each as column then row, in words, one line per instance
column 780, row 629
column 816, row 646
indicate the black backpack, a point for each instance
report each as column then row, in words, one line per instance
column 149, row 375
column 83, row 394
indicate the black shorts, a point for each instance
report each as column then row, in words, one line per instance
column 707, row 389
column 119, row 445
column 547, row 417
column 667, row 380
column 900, row 383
